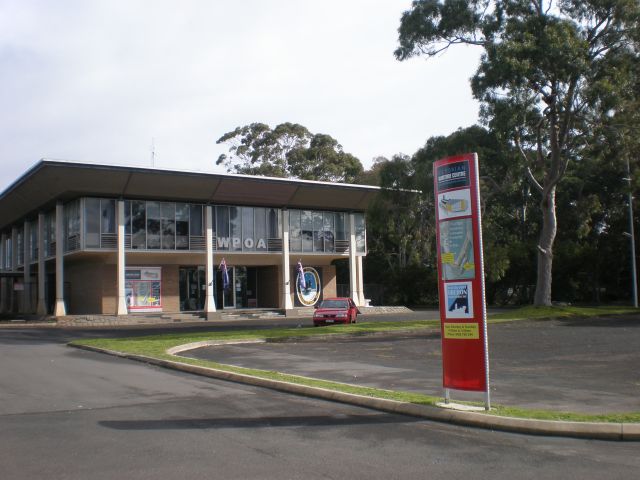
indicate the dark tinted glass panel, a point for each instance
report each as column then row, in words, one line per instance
column 108, row 208
column 92, row 222
column 295, row 238
column 222, row 228
column 306, row 225
column 168, row 214
column 260, row 225
column 138, row 225
column 318, row 244
column 153, row 225
column 329, row 232
column 196, row 221
column 341, row 231
column 127, row 217
column 248, row 239
column 235, row 225
column 360, row 232
column 182, row 226
column 273, row 222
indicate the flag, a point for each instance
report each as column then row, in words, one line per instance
column 225, row 274
column 301, row 281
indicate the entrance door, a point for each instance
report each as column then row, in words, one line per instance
column 192, row 288
column 226, row 298
column 242, row 291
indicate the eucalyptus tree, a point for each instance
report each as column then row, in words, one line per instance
column 549, row 73
column 288, row 150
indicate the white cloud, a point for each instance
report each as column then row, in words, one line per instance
column 96, row 81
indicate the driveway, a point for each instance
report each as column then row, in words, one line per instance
column 588, row 366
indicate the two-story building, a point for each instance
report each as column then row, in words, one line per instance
column 80, row 238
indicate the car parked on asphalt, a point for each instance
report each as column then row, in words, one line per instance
column 335, row 310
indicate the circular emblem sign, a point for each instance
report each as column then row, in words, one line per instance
column 309, row 292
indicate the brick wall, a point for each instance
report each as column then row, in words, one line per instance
column 85, row 287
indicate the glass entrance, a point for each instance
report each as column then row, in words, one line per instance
column 193, row 287
column 242, row 291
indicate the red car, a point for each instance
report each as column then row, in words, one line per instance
column 335, row 310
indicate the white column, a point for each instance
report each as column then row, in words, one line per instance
column 122, row 299
column 41, row 309
column 210, row 302
column 360, row 295
column 353, row 274
column 287, row 304
column 3, row 280
column 26, row 278
column 59, row 309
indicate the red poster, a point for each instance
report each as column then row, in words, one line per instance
column 461, row 273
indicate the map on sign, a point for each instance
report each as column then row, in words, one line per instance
column 456, row 203
column 456, row 249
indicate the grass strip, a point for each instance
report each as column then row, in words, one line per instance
column 155, row 346
column 531, row 312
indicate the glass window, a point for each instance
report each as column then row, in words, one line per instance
column 153, row 225
column 306, row 225
column 138, row 225
column 360, row 232
column 318, row 243
column 273, row 219
column 50, row 227
column 8, row 254
column 222, row 228
column 20, row 247
column 295, row 238
column 127, row 217
column 235, row 228
column 196, row 221
column 260, row 222
column 248, row 240
column 168, row 225
column 108, row 209
column 91, row 223
column 72, row 224
column 329, row 232
column 33, row 246
column 182, row 226
column 341, row 232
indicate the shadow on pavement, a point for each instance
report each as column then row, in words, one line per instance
column 260, row 422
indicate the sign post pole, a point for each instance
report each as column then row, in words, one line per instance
column 463, row 314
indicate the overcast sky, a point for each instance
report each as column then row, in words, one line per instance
column 99, row 80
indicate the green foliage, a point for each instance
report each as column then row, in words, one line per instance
column 288, row 150
column 549, row 76
column 400, row 239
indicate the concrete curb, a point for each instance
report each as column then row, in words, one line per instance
column 589, row 430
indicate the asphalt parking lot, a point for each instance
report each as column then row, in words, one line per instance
column 581, row 365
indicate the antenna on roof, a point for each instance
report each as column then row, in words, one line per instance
column 153, row 151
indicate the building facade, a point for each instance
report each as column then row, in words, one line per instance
column 99, row 239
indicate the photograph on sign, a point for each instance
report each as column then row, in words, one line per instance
column 454, row 204
column 456, row 249
column 458, row 300
column 453, row 175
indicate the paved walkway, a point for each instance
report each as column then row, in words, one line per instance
column 588, row 366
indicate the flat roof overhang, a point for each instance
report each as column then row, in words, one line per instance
column 51, row 180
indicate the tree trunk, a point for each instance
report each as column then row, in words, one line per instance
column 542, row 296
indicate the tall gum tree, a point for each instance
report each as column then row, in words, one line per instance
column 549, row 72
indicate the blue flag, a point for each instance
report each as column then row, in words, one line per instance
column 302, row 283
column 225, row 274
